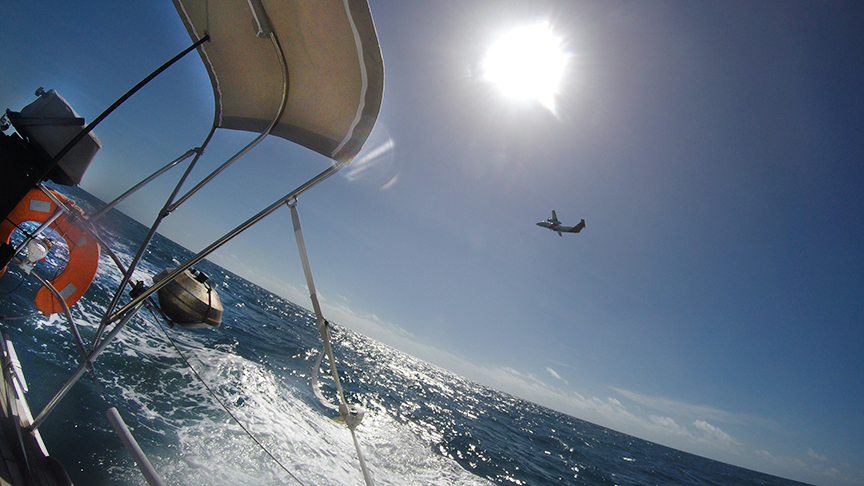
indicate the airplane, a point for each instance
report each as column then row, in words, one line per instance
column 555, row 225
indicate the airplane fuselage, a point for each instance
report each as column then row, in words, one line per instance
column 555, row 225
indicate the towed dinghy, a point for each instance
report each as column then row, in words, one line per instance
column 189, row 300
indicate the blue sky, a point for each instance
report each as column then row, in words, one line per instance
column 715, row 301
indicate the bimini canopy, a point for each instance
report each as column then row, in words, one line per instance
column 335, row 71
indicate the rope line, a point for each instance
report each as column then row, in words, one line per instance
column 221, row 403
column 19, row 227
column 15, row 318
column 20, row 282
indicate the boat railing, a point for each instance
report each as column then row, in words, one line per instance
column 119, row 315
column 134, row 450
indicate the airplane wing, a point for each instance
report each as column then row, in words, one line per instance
column 555, row 217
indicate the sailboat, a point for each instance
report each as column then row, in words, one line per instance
column 307, row 71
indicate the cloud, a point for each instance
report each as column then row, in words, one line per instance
column 714, row 436
column 675, row 407
column 608, row 411
column 226, row 259
column 561, row 364
column 668, row 424
column 819, row 473
column 555, row 374
column 371, row 325
column 694, row 411
column 812, row 454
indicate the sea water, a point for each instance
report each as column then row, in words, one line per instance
column 423, row 425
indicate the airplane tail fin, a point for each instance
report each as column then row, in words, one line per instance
column 579, row 227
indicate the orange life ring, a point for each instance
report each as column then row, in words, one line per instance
column 80, row 271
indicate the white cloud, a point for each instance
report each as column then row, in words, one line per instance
column 555, row 374
column 714, row 436
column 373, row 326
column 675, row 407
column 764, row 454
column 812, row 454
column 280, row 287
column 820, row 473
column 668, row 424
column 664, row 421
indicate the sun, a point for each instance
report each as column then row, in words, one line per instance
column 527, row 63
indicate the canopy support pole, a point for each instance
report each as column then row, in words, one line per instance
column 120, row 198
column 91, row 356
column 228, row 237
column 144, row 244
column 324, row 328
column 170, row 205
column 284, row 65
column 134, row 450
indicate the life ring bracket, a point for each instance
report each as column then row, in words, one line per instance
column 74, row 280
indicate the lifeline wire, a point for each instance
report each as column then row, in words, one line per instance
column 20, row 282
column 15, row 318
column 219, row 401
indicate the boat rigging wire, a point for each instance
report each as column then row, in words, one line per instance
column 20, row 282
column 198, row 151
column 219, row 400
column 89, row 128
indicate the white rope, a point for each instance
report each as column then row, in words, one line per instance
column 352, row 415
column 316, row 388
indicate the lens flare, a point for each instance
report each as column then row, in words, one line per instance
column 374, row 164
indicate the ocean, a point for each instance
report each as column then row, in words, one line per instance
column 423, row 425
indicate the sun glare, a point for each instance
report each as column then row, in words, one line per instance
column 527, row 63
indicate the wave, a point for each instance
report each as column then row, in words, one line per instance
column 257, row 363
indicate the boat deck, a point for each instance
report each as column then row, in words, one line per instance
column 24, row 461
column 10, row 473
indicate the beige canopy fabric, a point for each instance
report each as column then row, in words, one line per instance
column 335, row 70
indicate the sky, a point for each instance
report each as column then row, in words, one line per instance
column 715, row 300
